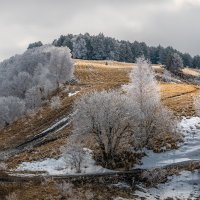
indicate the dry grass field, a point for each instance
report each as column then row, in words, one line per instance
column 193, row 72
column 91, row 75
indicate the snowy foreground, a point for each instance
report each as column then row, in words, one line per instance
column 187, row 184
column 189, row 150
column 184, row 186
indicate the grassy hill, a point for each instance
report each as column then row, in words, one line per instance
column 91, row 75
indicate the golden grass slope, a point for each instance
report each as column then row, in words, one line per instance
column 92, row 75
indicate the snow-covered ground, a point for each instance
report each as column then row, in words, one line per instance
column 189, row 149
column 72, row 94
column 61, row 167
column 184, row 186
column 187, row 184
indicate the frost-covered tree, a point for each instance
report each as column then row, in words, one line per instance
column 148, row 110
column 79, row 48
column 33, row 98
column 74, row 156
column 100, row 47
column 106, row 116
column 32, row 76
column 20, row 84
column 174, row 62
column 10, row 109
column 60, row 66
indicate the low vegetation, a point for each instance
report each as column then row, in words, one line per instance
column 95, row 85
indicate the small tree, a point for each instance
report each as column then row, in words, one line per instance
column 148, row 110
column 55, row 102
column 167, row 77
column 74, row 156
column 106, row 116
column 10, row 109
column 60, row 66
column 174, row 63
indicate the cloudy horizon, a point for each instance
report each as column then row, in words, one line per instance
column 164, row 22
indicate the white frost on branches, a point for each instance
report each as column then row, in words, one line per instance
column 151, row 118
column 31, row 77
column 105, row 115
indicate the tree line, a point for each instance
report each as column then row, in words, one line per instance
column 100, row 47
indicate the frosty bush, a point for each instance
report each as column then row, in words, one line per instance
column 106, row 116
column 55, row 102
column 10, row 109
column 74, row 156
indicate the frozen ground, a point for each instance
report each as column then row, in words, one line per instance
column 183, row 187
column 61, row 167
column 189, row 149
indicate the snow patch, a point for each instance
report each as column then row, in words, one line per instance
column 185, row 186
column 72, row 94
column 59, row 167
column 189, row 149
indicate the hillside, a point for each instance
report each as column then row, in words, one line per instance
column 91, row 76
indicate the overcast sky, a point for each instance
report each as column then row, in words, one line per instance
column 165, row 22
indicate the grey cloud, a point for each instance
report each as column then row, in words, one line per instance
column 165, row 22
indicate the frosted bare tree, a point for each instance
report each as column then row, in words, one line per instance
column 148, row 110
column 74, row 156
column 106, row 116
column 10, row 109
column 60, row 66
